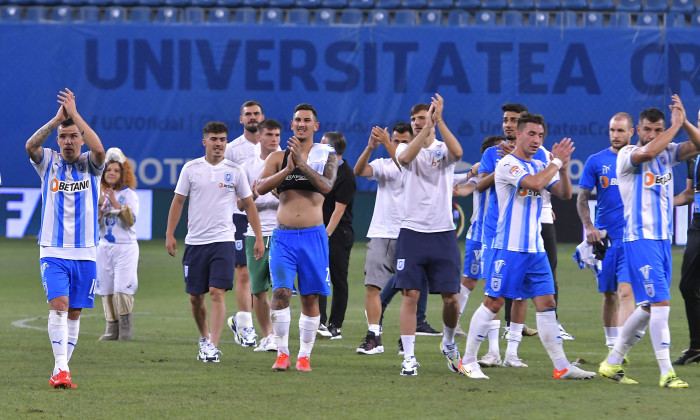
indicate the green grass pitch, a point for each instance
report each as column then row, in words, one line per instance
column 157, row 375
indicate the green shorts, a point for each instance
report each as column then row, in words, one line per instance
column 258, row 270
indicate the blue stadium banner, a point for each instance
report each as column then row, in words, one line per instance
column 149, row 89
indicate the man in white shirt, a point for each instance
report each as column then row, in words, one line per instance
column 69, row 230
column 427, row 244
column 239, row 151
column 518, row 267
column 212, row 183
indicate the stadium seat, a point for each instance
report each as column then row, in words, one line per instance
column 203, row 3
column 620, row 20
column 592, row 19
column 521, row 5
column 548, row 5
column 387, row 4
column 228, row 3
column 74, row 2
column 334, row 4
column 139, row 14
column 648, row 19
column 414, row 4
column 655, row 6
column 405, row 17
column 512, row 18
column 361, row 4
column 115, row 14
column 494, row 4
column 252, row 3
column 89, row 14
column 683, row 6
column 62, row 14
column 675, row 20
column 125, row 3
column 574, row 4
column 539, row 19
column 299, row 16
column 467, row 4
column 46, row 2
column 458, row 18
column 219, row 15
column 696, row 20
column 565, row 18
column 629, row 6
column 431, row 17
column 485, row 18
column 308, row 4
column 10, row 13
column 324, row 17
column 272, row 15
column 177, row 3
column 167, row 15
column 152, row 3
column 194, row 15
column 282, row 4
column 245, row 15
column 378, row 17
column 351, row 17
column 601, row 5
column 441, row 4
column 100, row 3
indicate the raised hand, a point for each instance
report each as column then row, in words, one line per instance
column 563, row 151
column 67, row 100
column 438, row 105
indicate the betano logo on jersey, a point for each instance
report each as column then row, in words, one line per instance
column 652, row 179
column 65, row 186
column 605, row 182
column 525, row 192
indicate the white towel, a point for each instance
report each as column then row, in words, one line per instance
column 586, row 259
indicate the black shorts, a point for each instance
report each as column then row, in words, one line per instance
column 241, row 223
column 209, row 265
column 435, row 255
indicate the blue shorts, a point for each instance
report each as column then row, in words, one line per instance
column 518, row 275
column 209, row 265
column 302, row 251
column 241, row 223
column 433, row 255
column 72, row 278
column 472, row 259
column 649, row 265
column 486, row 254
column 614, row 268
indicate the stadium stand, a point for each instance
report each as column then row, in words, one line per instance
column 648, row 19
column 63, row 14
column 467, row 4
column 695, row 21
column 272, row 15
column 351, row 17
column 683, row 6
column 601, row 5
column 194, row 15
column 548, row 5
column 539, row 19
column 440, row 4
column 387, row 4
column 10, row 13
column 335, row 4
column 299, row 16
column 494, row 4
column 655, row 6
column 203, row 3
column 485, row 18
column 629, row 6
column 431, row 17
column 458, row 18
column 593, row 19
column 512, row 18
column 219, row 15
column 521, row 4
column 405, row 17
column 140, row 14
column 245, row 15
column 574, row 4
column 361, row 4
column 116, row 14
column 323, row 17
column 621, row 20
column 675, row 20
column 565, row 18
column 167, row 15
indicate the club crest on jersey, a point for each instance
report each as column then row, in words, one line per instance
column 400, row 264
column 228, row 177
column 645, row 271
column 475, row 268
column 652, row 179
column 495, row 284
column 43, row 268
column 498, row 265
column 649, row 288
column 662, row 159
column 239, row 245
column 68, row 186
column 187, row 270
column 81, row 167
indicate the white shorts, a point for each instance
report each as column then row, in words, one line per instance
column 116, row 268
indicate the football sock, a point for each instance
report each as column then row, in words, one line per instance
column 515, row 335
column 448, row 335
column 610, row 336
column 408, row 342
column 478, row 328
column 73, row 330
column 494, row 330
column 661, row 336
column 108, row 306
column 629, row 335
column 463, row 298
column 376, row 329
column 280, row 328
column 245, row 319
column 58, row 334
column 308, row 325
column 549, row 336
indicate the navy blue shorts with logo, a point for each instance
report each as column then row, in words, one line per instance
column 241, row 223
column 434, row 255
column 209, row 265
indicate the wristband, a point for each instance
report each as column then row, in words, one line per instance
column 558, row 162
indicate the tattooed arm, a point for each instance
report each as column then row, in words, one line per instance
column 323, row 183
column 34, row 145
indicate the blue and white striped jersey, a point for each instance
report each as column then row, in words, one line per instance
column 479, row 206
column 647, row 193
column 519, row 209
column 69, row 193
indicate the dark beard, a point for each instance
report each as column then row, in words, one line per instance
column 253, row 129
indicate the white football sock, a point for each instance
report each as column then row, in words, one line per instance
column 463, row 298
column 629, row 335
column 409, row 342
column 448, row 335
column 376, row 329
column 58, row 334
column 610, row 336
column 478, row 328
column 515, row 335
column 308, row 325
column 244, row 319
column 281, row 319
column 661, row 336
column 494, row 331
column 549, row 336
column 73, row 331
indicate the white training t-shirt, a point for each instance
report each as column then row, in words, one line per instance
column 239, row 151
column 212, row 191
column 647, row 193
column 388, row 206
column 428, row 189
column 112, row 228
column 266, row 204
